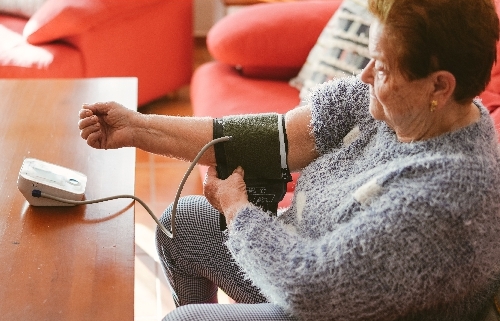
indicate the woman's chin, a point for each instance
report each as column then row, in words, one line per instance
column 376, row 110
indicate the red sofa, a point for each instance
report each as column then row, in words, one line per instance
column 259, row 49
column 147, row 39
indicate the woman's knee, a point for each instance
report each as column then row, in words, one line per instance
column 226, row 312
column 192, row 213
column 196, row 226
column 186, row 312
column 205, row 312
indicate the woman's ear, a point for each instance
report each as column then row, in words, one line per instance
column 444, row 84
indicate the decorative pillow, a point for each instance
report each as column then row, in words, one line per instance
column 63, row 18
column 270, row 40
column 341, row 49
column 22, row 8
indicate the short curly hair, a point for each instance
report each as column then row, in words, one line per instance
column 458, row 36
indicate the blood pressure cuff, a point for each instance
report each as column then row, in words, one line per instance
column 259, row 145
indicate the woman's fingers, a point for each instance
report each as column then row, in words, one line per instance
column 95, row 140
column 87, row 130
column 87, row 121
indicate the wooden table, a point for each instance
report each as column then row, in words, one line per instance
column 60, row 263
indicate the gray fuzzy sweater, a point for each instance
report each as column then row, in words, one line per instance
column 379, row 229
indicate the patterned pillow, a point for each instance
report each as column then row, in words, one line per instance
column 23, row 8
column 341, row 49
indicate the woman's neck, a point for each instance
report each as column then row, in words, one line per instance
column 450, row 118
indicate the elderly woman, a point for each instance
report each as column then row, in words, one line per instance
column 396, row 215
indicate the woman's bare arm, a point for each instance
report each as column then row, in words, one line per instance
column 110, row 125
column 301, row 144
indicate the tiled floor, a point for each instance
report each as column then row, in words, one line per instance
column 157, row 179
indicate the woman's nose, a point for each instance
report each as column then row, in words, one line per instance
column 367, row 73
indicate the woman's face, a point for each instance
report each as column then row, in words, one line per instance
column 402, row 104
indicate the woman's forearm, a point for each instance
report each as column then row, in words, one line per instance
column 172, row 136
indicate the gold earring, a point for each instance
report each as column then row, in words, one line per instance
column 434, row 104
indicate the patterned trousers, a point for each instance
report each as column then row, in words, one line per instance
column 196, row 263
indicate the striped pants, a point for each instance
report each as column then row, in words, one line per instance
column 196, row 263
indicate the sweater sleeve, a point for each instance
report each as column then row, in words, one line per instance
column 416, row 244
column 336, row 107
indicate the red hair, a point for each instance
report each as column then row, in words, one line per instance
column 458, row 36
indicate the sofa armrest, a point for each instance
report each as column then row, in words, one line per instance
column 491, row 95
column 270, row 40
column 57, row 19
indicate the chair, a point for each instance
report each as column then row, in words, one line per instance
column 147, row 39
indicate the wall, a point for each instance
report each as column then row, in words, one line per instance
column 206, row 13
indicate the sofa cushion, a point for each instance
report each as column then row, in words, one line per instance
column 57, row 19
column 262, row 39
column 341, row 49
column 20, row 59
column 21, row 8
column 217, row 90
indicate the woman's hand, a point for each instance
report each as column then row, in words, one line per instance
column 227, row 196
column 106, row 125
